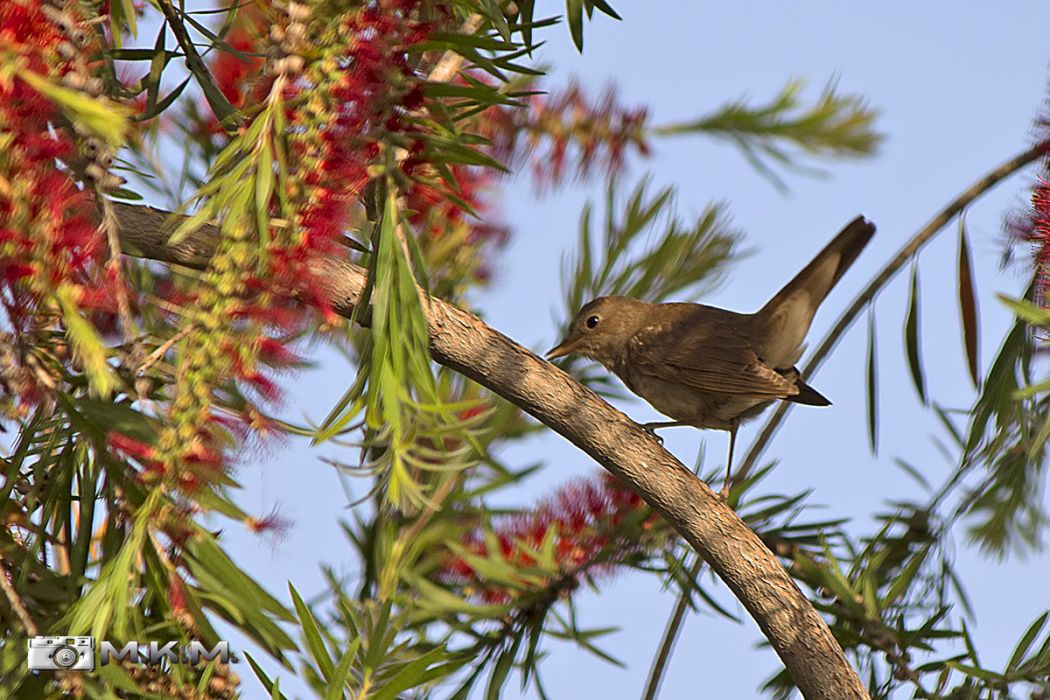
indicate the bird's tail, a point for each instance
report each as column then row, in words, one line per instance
column 788, row 314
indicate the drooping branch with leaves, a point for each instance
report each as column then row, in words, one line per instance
column 336, row 169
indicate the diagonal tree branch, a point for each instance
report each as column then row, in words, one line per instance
column 466, row 344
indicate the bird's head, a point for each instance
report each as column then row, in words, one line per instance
column 602, row 328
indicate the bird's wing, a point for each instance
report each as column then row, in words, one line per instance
column 710, row 357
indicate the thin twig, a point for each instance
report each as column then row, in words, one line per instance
column 155, row 356
column 434, row 504
column 111, row 227
column 216, row 100
column 16, row 603
column 827, row 344
column 674, row 626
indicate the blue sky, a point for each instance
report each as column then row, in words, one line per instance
column 958, row 85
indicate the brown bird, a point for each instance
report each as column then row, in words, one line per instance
column 708, row 367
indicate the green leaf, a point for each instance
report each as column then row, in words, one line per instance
column 270, row 686
column 905, row 577
column 502, row 669
column 117, row 678
column 778, row 132
column 144, row 54
column 1021, row 650
column 312, row 631
column 1031, row 313
column 495, row 15
column 160, row 106
column 87, row 346
column 264, row 178
column 226, row 113
column 337, row 681
column 158, row 59
column 116, row 417
column 980, row 673
column 415, row 673
column 971, row 650
column 124, row 10
column 107, row 120
column 911, row 336
column 968, row 305
column 442, row 601
column 193, row 222
column 574, row 10
column 252, row 609
column 106, row 604
column 914, row 472
column 574, row 15
column 602, row 6
column 872, row 384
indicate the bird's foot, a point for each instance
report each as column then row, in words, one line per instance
column 651, row 429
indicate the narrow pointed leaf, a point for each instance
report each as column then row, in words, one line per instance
column 574, row 15
column 502, row 669
column 872, row 382
column 968, row 304
column 1026, row 642
column 911, row 336
column 271, row 686
column 312, row 631
column 338, row 678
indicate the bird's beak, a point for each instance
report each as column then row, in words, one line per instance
column 564, row 348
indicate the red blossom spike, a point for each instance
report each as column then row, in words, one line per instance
column 1039, row 235
column 49, row 240
column 601, row 130
column 276, row 353
column 130, row 447
column 273, row 525
column 589, row 540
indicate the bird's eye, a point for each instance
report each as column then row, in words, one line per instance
column 592, row 321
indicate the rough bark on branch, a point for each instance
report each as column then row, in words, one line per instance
column 467, row 345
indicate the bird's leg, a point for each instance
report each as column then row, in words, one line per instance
column 724, row 492
column 652, row 427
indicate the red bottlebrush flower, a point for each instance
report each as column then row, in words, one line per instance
column 98, row 299
column 281, row 317
column 188, row 481
column 235, row 75
column 276, row 353
column 1039, row 236
column 273, row 525
column 352, row 110
column 602, row 131
column 130, row 447
column 265, row 387
column 587, row 518
column 203, row 455
column 49, row 241
column 238, row 70
column 177, row 594
column 235, row 425
column 13, row 272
